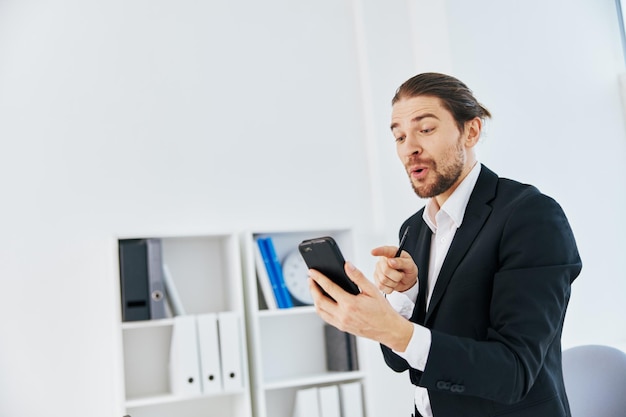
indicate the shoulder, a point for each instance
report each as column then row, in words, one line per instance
column 505, row 192
column 518, row 208
column 530, row 226
column 525, row 199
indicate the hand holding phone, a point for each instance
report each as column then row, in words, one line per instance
column 323, row 254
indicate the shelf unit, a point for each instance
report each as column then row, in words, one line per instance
column 206, row 270
column 287, row 348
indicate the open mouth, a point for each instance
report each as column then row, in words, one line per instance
column 418, row 172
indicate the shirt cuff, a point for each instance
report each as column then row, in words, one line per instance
column 403, row 302
column 416, row 353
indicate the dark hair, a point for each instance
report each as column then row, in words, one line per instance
column 455, row 96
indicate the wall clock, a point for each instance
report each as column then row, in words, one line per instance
column 296, row 275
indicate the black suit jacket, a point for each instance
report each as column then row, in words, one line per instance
column 497, row 309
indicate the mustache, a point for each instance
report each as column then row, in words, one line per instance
column 418, row 160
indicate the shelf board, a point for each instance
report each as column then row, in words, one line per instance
column 153, row 400
column 287, row 311
column 324, row 378
column 171, row 398
column 143, row 324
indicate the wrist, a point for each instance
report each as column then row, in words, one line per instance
column 399, row 336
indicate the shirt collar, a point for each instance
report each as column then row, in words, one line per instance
column 456, row 204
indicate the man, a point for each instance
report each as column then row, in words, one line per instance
column 473, row 307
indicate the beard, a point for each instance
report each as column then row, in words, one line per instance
column 446, row 172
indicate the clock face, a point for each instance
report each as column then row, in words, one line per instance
column 296, row 275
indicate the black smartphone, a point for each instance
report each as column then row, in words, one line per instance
column 323, row 254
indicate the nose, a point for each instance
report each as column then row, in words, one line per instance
column 410, row 146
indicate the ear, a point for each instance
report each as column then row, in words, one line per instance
column 472, row 130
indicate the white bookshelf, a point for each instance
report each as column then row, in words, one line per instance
column 286, row 346
column 206, row 270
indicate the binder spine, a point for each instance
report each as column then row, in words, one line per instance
column 283, row 299
column 184, row 358
column 141, row 279
column 208, row 346
column 155, row 278
column 341, row 350
column 231, row 350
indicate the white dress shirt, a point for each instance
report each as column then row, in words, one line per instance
column 443, row 222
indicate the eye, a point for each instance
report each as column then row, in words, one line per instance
column 427, row 130
column 400, row 139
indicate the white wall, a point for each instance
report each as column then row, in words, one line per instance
column 157, row 117
column 132, row 118
column 549, row 71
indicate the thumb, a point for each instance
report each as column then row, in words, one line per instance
column 358, row 278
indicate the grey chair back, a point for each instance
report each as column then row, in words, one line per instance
column 595, row 381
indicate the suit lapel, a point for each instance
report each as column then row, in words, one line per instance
column 476, row 214
column 421, row 259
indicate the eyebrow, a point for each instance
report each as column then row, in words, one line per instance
column 416, row 119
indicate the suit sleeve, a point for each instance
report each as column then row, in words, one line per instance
column 394, row 361
column 537, row 261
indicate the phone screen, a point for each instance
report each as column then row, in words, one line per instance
column 323, row 254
